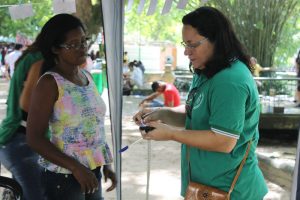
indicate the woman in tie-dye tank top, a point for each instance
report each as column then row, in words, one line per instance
column 66, row 99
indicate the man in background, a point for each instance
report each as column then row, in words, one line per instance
column 169, row 92
column 11, row 58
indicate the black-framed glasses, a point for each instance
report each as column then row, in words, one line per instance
column 83, row 44
column 189, row 103
column 194, row 45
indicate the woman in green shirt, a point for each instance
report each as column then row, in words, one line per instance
column 221, row 114
column 15, row 154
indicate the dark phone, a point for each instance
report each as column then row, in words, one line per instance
column 146, row 128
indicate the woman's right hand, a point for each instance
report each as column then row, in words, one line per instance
column 86, row 178
column 146, row 115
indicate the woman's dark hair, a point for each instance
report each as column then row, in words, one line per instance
column 212, row 24
column 53, row 34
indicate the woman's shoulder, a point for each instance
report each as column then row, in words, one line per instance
column 47, row 78
column 238, row 71
column 237, row 68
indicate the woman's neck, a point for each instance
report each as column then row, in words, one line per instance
column 67, row 71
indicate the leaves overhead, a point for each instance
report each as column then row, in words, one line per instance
column 29, row 26
column 90, row 15
column 268, row 28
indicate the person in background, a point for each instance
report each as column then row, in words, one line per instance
column 257, row 68
column 297, row 66
column 97, row 55
column 66, row 99
column 170, row 94
column 125, row 68
column 221, row 115
column 3, row 53
column 15, row 154
column 134, row 77
column 127, row 85
column 92, row 55
column 125, row 56
column 140, row 65
column 11, row 58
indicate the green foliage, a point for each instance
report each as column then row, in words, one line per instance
column 289, row 42
column 90, row 15
column 268, row 28
column 155, row 27
column 29, row 26
column 259, row 24
column 282, row 87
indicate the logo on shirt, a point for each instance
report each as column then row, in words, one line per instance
column 198, row 101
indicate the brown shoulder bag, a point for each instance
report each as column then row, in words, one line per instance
column 198, row 191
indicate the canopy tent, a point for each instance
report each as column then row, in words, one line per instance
column 113, row 34
column 113, row 18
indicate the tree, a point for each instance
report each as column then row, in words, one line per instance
column 259, row 24
column 289, row 44
column 155, row 27
column 267, row 28
column 29, row 26
column 91, row 16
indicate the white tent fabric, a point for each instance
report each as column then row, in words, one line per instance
column 152, row 7
column 167, row 7
column 113, row 17
column 113, row 34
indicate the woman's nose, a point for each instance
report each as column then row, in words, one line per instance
column 187, row 51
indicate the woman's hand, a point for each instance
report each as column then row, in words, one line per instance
column 108, row 173
column 86, row 178
column 143, row 115
column 160, row 133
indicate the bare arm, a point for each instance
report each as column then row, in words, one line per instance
column 151, row 97
column 29, row 85
column 173, row 116
column 165, row 130
column 43, row 99
column 202, row 139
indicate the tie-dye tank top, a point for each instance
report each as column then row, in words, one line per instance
column 77, row 125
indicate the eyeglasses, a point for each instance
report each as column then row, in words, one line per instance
column 194, row 45
column 190, row 102
column 83, row 44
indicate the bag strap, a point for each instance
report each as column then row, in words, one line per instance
column 237, row 174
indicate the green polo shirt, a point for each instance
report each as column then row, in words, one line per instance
column 227, row 104
column 13, row 112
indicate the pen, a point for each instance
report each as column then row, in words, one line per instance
column 127, row 146
column 138, row 140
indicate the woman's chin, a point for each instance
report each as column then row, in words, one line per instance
column 198, row 67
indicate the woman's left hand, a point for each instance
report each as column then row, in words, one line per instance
column 160, row 133
column 108, row 173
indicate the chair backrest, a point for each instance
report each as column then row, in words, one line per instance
column 12, row 185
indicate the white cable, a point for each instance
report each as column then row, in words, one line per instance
column 148, row 169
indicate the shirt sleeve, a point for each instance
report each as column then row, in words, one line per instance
column 227, row 105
